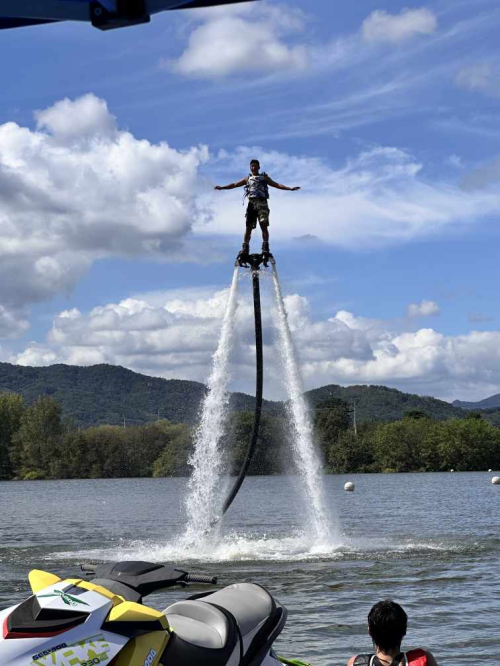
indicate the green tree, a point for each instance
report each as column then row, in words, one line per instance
column 429, row 451
column 331, row 418
column 111, row 448
column 76, row 457
column 351, row 452
column 36, row 444
column 268, row 456
column 175, row 440
column 473, row 414
column 11, row 410
column 400, row 446
column 469, row 444
column 415, row 414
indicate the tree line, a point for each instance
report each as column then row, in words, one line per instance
column 415, row 443
column 36, row 443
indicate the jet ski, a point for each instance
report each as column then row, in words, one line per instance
column 99, row 619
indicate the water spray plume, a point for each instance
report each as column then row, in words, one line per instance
column 319, row 522
column 203, row 503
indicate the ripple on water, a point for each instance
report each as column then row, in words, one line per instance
column 254, row 548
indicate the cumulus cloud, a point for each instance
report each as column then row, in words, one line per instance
column 480, row 77
column 37, row 355
column 380, row 26
column 78, row 189
column 174, row 335
column 86, row 118
column 379, row 197
column 423, row 309
column 423, row 361
column 241, row 39
column 171, row 335
column 12, row 324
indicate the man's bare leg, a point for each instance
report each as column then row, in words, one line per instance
column 265, row 237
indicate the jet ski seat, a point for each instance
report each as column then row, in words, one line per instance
column 233, row 626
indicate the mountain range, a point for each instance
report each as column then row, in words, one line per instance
column 493, row 402
column 99, row 394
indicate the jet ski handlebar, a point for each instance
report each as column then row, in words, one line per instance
column 134, row 580
column 87, row 567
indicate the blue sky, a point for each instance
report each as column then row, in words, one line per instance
column 115, row 248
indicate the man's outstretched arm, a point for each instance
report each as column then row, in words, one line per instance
column 278, row 186
column 240, row 183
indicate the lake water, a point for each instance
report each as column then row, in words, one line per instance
column 429, row 541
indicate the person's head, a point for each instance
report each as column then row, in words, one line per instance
column 254, row 167
column 387, row 625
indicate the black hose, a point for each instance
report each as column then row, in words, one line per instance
column 258, row 392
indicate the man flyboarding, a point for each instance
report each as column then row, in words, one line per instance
column 257, row 191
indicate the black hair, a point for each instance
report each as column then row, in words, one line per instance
column 255, row 162
column 387, row 623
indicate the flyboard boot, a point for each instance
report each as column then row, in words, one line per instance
column 266, row 254
column 243, row 256
column 103, row 621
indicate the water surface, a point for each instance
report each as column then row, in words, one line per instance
column 429, row 541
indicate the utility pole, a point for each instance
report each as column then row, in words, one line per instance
column 354, row 419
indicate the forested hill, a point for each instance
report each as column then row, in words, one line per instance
column 379, row 403
column 493, row 402
column 106, row 394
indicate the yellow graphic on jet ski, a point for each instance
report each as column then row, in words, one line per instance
column 92, row 651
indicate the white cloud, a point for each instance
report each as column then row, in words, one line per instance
column 175, row 334
column 86, row 118
column 78, row 189
column 37, row 355
column 12, row 324
column 241, row 40
column 171, row 334
column 357, row 323
column 380, row 26
column 481, row 77
column 423, row 309
column 424, row 361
